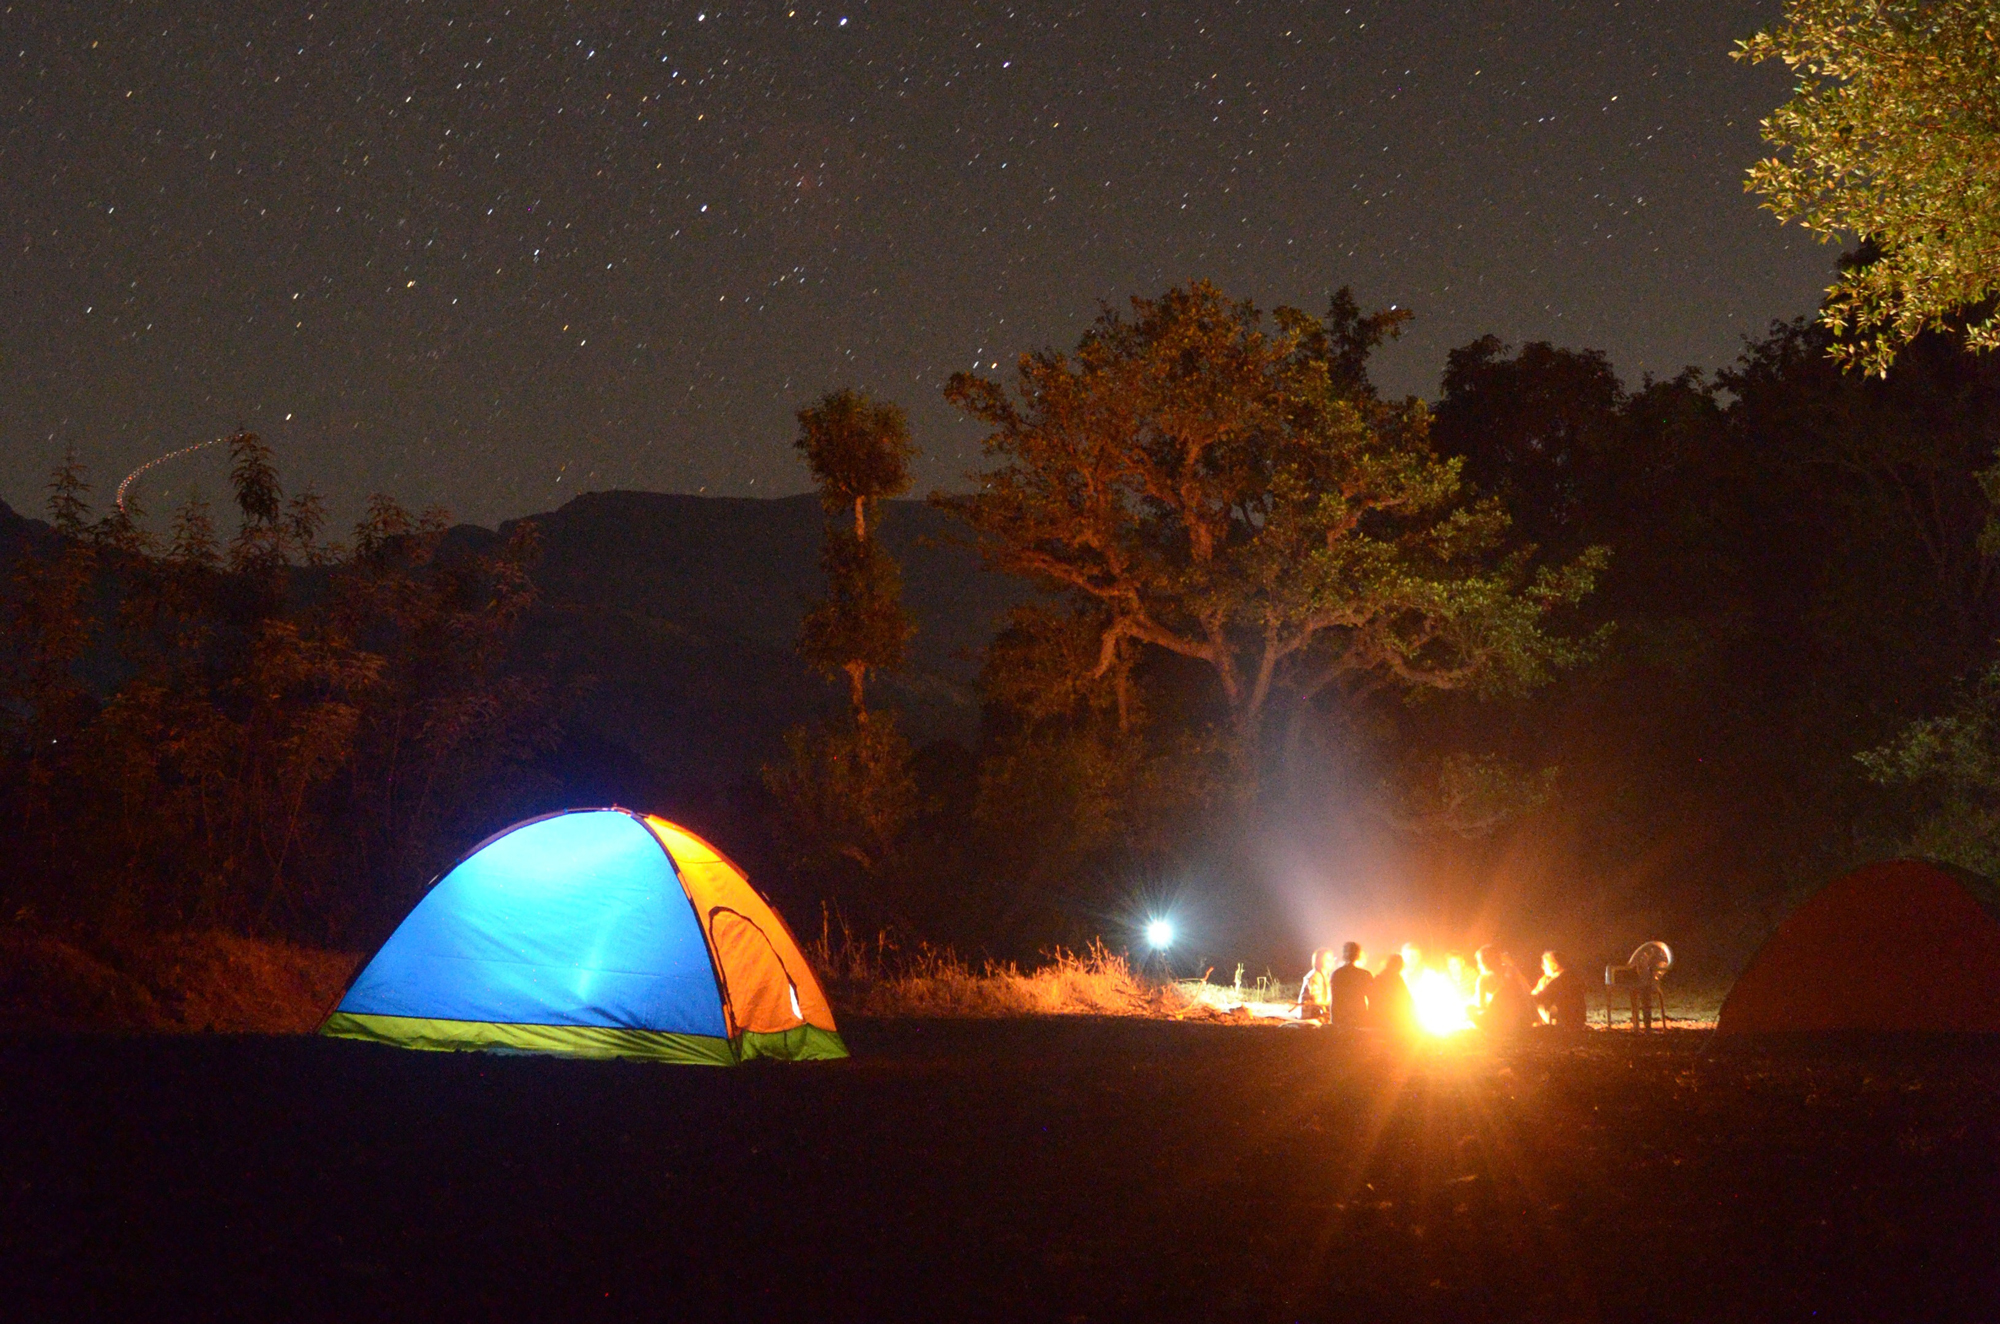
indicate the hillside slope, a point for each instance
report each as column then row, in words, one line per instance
column 683, row 611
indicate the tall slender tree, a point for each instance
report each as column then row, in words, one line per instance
column 859, row 451
column 846, row 789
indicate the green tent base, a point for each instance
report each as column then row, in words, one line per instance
column 804, row 1043
column 801, row 1043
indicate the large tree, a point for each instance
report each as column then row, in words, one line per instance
column 1892, row 137
column 1203, row 482
column 1533, row 429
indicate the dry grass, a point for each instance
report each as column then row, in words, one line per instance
column 879, row 979
column 1093, row 982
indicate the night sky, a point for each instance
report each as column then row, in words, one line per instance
column 492, row 256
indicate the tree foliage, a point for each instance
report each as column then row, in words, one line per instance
column 847, row 793
column 1085, row 781
column 1531, row 428
column 844, row 789
column 859, row 452
column 1465, row 795
column 1892, row 136
column 1802, row 569
column 1197, row 481
column 279, row 735
column 859, row 627
column 1952, row 764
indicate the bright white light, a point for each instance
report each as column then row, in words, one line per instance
column 1160, row 934
column 1440, row 1006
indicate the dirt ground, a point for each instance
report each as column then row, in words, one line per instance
column 1071, row 1169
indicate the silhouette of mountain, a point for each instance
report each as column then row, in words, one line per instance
column 17, row 529
column 680, row 613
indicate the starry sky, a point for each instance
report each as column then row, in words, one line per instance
column 493, row 255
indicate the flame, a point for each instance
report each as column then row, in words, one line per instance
column 1441, row 1008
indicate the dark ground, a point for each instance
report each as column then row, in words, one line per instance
column 1027, row 1170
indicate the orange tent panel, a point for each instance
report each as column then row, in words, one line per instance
column 768, row 987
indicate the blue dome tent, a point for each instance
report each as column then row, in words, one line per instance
column 594, row 933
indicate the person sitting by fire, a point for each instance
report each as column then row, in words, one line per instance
column 1460, row 974
column 1389, row 998
column 1558, row 995
column 1350, row 989
column 1500, row 999
column 1314, row 995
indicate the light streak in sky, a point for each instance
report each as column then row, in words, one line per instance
column 133, row 477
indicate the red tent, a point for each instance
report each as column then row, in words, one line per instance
column 1901, row 946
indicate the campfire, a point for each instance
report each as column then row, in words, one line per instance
column 1441, row 1006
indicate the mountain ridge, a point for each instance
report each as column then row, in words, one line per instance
column 683, row 612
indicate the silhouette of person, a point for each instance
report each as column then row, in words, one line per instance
column 1390, row 1000
column 1501, row 1002
column 1350, row 989
column 1314, row 996
column 1559, row 996
column 1460, row 974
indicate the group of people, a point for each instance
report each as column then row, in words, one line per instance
column 1496, row 996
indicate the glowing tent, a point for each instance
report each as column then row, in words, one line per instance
column 593, row 933
column 1901, row 946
